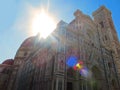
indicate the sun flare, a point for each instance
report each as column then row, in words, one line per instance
column 43, row 23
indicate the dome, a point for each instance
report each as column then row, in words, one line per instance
column 29, row 42
column 8, row 62
column 25, row 48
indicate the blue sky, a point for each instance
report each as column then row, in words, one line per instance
column 15, row 15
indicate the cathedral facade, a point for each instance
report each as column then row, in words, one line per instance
column 40, row 64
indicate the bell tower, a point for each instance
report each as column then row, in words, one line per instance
column 102, row 17
column 108, row 35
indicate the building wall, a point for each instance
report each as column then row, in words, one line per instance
column 5, row 73
column 92, row 41
column 108, row 36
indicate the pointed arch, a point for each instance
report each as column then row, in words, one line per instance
column 97, row 78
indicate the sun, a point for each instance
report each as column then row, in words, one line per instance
column 43, row 23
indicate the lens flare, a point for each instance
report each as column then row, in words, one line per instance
column 78, row 65
column 84, row 72
column 71, row 61
column 80, row 62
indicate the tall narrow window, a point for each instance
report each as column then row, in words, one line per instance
column 111, row 24
column 102, row 24
column 105, row 37
column 60, row 85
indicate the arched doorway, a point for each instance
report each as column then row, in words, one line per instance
column 96, row 78
column 114, row 84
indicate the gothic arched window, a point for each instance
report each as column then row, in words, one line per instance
column 102, row 24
